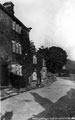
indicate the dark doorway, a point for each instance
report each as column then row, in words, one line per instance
column 4, row 74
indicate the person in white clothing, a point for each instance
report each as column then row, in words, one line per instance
column 34, row 75
column 43, row 73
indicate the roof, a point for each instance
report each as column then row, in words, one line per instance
column 14, row 18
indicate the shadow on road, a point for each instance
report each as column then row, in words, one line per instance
column 64, row 107
column 7, row 116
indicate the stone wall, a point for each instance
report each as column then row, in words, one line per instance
column 72, row 76
column 5, row 35
column 49, row 79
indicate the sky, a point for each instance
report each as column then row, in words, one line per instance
column 52, row 22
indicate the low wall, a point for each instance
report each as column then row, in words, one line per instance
column 50, row 79
column 72, row 76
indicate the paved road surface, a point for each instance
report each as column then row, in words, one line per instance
column 24, row 106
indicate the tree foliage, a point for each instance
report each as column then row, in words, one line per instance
column 55, row 58
column 43, row 52
column 32, row 47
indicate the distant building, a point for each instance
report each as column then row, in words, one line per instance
column 68, row 68
column 14, row 39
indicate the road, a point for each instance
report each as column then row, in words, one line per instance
column 32, row 103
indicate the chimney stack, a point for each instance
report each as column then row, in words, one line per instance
column 10, row 7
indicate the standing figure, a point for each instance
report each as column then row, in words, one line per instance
column 34, row 78
column 43, row 74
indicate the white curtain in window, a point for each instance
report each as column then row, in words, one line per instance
column 13, row 45
column 34, row 59
column 13, row 25
column 20, row 49
column 13, row 69
column 20, row 68
column 17, row 70
column 20, row 28
column 17, row 47
column 17, row 28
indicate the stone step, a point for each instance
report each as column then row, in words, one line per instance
column 7, row 96
column 10, row 91
column 7, row 92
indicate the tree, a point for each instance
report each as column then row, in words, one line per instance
column 32, row 47
column 56, row 59
column 43, row 52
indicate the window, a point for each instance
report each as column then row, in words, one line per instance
column 17, row 28
column 20, row 69
column 13, row 69
column 20, row 49
column 16, row 69
column 20, row 28
column 17, row 47
column 13, row 45
column 13, row 25
column 34, row 59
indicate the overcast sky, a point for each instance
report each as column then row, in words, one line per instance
column 52, row 22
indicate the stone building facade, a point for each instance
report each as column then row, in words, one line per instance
column 14, row 39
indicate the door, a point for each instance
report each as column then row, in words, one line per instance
column 4, row 75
